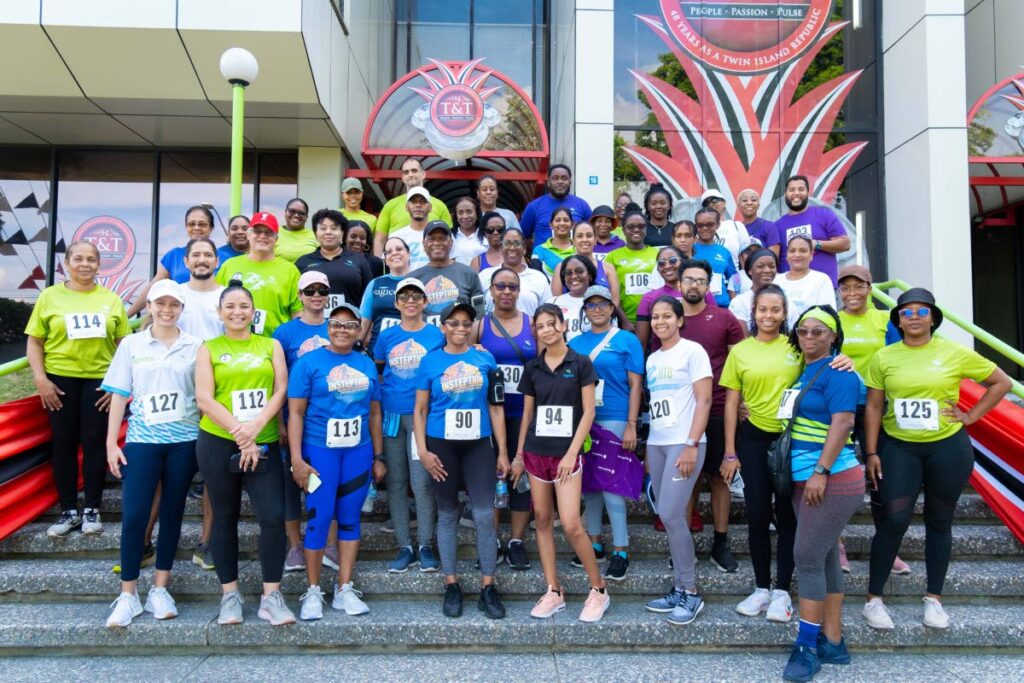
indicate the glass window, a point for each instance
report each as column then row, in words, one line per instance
column 279, row 181
column 107, row 198
column 24, row 222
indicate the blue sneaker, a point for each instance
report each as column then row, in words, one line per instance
column 428, row 563
column 666, row 603
column 406, row 558
column 687, row 610
column 802, row 665
column 832, row 654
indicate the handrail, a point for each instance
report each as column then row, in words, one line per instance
column 986, row 338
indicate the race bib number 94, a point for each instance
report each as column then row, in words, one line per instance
column 554, row 421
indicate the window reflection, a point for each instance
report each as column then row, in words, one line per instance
column 279, row 182
column 24, row 222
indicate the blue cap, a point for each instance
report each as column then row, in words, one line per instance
column 598, row 290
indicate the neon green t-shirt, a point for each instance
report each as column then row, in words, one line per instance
column 274, row 285
column 919, row 381
column 863, row 336
column 394, row 216
column 243, row 382
column 291, row 244
column 79, row 329
column 361, row 215
column 633, row 268
column 761, row 371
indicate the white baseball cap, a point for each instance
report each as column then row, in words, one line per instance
column 165, row 288
column 417, row 191
column 711, row 194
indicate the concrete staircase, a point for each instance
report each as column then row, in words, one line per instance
column 54, row 595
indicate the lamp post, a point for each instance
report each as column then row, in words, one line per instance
column 238, row 66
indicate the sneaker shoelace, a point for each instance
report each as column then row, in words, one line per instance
column 352, row 589
column 231, row 600
column 118, row 599
column 313, row 590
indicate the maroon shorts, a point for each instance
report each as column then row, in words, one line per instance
column 545, row 467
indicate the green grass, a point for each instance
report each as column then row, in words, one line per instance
column 16, row 385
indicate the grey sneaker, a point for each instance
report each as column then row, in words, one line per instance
column 295, row 560
column 348, row 598
column 311, row 604
column 230, row 609
column 667, row 603
column 331, row 556
column 91, row 523
column 687, row 610
column 69, row 521
column 274, row 609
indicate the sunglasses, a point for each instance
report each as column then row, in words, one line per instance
column 350, row 325
column 297, row 212
column 596, row 305
column 815, row 333
column 197, row 224
column 512, row 244
column 670, row 261
column 494, row 231
column 575, row 271
column 699, row 281
column 456, row 324
column 316, row 291
column 503, row 286
column 414, row 297
column 909, row 314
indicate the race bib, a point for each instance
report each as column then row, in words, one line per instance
column 662, row 414
column 554, row 421
column 385, row 323
column 599, row 393
column 344, row 433
column 638, row 283
column 434, row 320
column 512, row 375
column 334, row 300
column 919, row 414
column 259, row 320
column 462, row 424
column 86, row 325
column 717, row 284
column 785, row 411
column 798, row 231
column 162, row 407
column 247, row 404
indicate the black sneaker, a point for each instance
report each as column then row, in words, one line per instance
column 489, row 603
column 618, row 565
column 722, row 558
column 148, row 555
column 516, row 556
column 452, row 606
column 598, row 553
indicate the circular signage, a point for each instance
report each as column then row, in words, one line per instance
column 457, row 110
column 114, row 240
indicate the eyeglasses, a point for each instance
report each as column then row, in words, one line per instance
column 494, row 231
column 503, row 286
column 699, row 281
column 456, row 324
column 814, row 333
column 415, row 297
column 350, row 325
column 512, row 244
column 575, row 271
column 197, row 224
column 670, row 261
column 296, row 212
column 316, row 291
column 596, row 305
column 909, row 314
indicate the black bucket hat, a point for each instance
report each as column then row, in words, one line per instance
column 916, row 295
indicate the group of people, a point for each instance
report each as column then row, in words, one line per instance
column 538, row 364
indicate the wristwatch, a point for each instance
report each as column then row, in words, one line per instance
column 817, row 245
column 689, row 442
column 821, row 469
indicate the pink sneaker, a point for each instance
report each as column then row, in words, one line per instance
column 596, row 605
column 844, row 563
column 900, row 567
column 549, row 604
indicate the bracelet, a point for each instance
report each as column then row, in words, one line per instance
column 379, row 456
column 871, row 455
column 730, row 457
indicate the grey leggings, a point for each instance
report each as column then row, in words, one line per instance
column 816, row 549
column 402, row 468
column 673, row 493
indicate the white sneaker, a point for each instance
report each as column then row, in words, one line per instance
column 311, row 604
column 125, row 608
column 877, row 616
column 91, row 523
column 781, row 608
column 934, row 615
column 68, row 522
column 161, row 604
column 347, row 598
column 755, row 603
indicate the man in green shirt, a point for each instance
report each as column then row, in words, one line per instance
column 352, row 203
column 394, row 215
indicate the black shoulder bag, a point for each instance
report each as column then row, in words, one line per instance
column 508, row 337
column 780, row 465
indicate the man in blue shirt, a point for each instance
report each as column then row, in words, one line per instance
column 535, row 220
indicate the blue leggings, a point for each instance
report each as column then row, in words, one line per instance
column 345, row 478
column 149, row 464
column 594, row 503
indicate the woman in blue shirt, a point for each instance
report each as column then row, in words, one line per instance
column 378, row 306
column 828, row 487
column 398, row 353
column 334, row 432
column 617, row 405
column 198, row 223
column 706, row 247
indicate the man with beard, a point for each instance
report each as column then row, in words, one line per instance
column 445, row 280
column 820, row 223
column 717, row 331
column 536, row 219
column 749, row 203
column 202, row 293
column 417, row 204
column 395, row 215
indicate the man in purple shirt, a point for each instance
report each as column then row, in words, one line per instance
column 749, row 203
column 536, row 218
column 820, row 223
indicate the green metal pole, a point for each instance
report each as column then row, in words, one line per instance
column 237, row 145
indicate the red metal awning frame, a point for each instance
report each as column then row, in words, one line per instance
column 1003, row 172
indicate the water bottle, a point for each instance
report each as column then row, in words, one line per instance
column 371, row 495
column 523, row 485
column 736, row 485
column 501, row 494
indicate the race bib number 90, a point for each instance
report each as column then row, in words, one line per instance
column 462, row 425
column 86, row 325
column 919, row 414
column 247, row 404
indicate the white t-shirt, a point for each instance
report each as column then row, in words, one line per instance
column 811, row 290
column 466, row 247
column 414, row 238
column 733, row 236
column 575, row 318
column 534, row 289
column 670, row 378
column 199, row 314
column 740, row 307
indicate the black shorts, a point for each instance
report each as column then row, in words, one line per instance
column 715, row 434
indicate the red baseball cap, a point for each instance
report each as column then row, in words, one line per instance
column 266, row 219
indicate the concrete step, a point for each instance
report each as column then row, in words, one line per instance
column 61, row 579
column 402, row 626
column 968, row 540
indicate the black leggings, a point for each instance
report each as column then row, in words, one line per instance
column 877, row 509
column 943, row 468
column 752, row 449
column 266, row 492
column 78, row 422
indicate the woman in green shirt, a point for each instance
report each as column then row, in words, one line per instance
column 73, row 331
column 241, row 382
column 913, row 389
column 634, row 263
